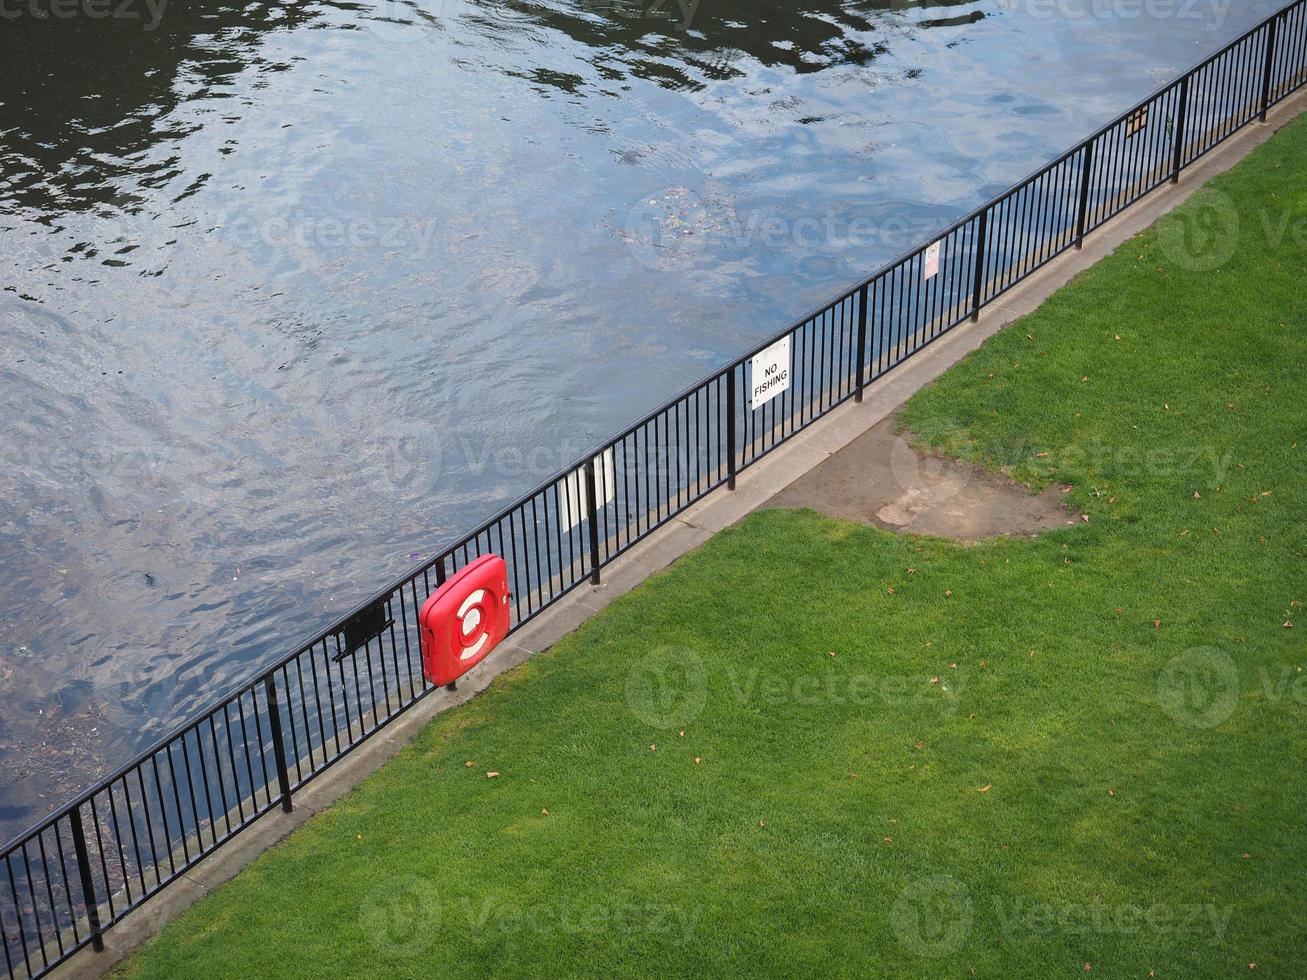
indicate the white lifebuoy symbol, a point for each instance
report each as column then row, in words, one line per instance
column 470, row 622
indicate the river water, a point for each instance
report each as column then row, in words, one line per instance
column 292, row 293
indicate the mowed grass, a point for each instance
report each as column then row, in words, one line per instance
column 819, row 749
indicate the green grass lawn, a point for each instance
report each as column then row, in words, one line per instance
column 814, row 749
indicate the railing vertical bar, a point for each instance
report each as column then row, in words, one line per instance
column 4, row 941
column 49, row 890
column 204, row 779
column 18, row 909
column 1271, row 32
column 304, row 706
column 163, row 815
column 104, row 865
column 36, row 911
column 1180, row 120
column 84, row 872
column 730, row 426
column 263, row 744
column 249, row 758
column 978, row 285
column 65, row 879
column 177, row 798
column 149, row 826
column 862, row 340
column 592, row 502
column 190, row 788
column 278, row 744
column 408, row 651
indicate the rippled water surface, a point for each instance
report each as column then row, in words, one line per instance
column 292, row 293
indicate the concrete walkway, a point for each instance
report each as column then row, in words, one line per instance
column 758, row 486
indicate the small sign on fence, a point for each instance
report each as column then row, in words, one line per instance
column 771, row 373
column 1136, row 122
column 930, row 263
column 574, row 489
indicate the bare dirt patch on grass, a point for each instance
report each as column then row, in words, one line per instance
column 882, row 480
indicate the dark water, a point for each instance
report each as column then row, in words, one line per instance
column 294, row 292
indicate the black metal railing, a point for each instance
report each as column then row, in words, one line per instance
column 98, row 858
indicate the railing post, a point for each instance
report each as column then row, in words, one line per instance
column 592, row 505
column 978, row 286
column 862, row 340
column 730, row 427
column 1082, row 217
column 1177, row 160
column 84, row 872
column 1271, row 32
column 278, row 747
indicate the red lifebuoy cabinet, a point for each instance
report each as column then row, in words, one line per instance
column 464, row 620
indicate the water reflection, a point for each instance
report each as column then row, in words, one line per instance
column 290, row 293
column 87, row 101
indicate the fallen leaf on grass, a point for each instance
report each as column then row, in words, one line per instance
column 469, row 763
column 544, row 813
column 986, row 788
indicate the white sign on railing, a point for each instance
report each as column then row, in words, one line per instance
column 771, row 373
column 574, row 489
column 930, row 265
